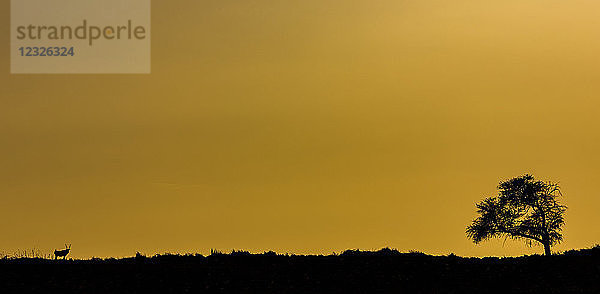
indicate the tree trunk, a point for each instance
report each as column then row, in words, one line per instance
column 547, row 248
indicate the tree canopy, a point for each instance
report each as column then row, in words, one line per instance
column 525, row 209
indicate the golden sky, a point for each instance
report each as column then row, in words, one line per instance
column 307, row 126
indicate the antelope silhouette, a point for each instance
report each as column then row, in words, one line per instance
column 62, row 253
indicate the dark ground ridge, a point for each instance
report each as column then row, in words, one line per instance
column 353, row 271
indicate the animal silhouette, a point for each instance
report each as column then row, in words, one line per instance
column 62, row 253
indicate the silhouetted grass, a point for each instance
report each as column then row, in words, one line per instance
column 353, row 271
column 26, row 253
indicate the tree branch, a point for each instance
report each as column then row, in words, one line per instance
column 521, row 235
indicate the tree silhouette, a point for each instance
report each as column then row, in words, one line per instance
column 525, row 209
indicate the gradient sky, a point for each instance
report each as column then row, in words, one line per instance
column 307, row 126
